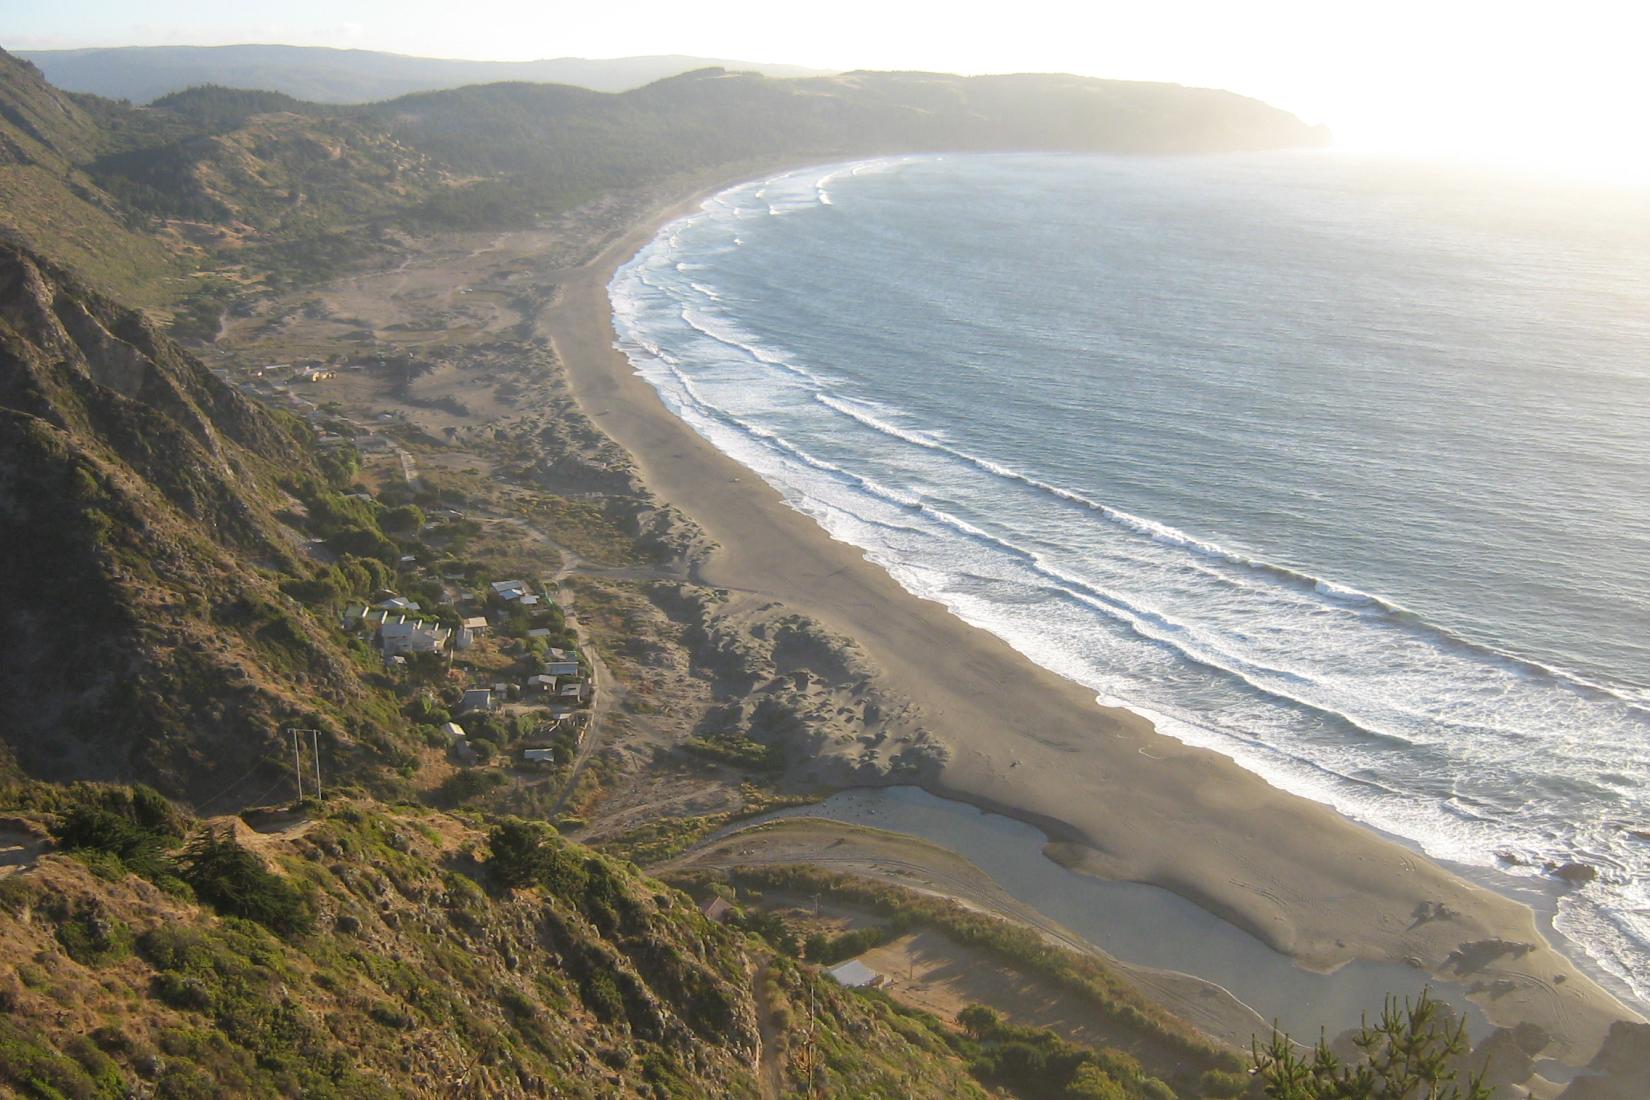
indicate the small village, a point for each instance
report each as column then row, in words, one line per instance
column 501, row 682
column 500, row 662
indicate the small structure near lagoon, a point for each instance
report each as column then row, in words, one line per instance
column 856, row 975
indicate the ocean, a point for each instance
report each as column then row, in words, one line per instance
column 1339, row 467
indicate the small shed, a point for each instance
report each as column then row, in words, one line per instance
column 718, row 909
column 509, row 591
column 855, row 975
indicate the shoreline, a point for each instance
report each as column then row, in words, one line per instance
column 1308, row 882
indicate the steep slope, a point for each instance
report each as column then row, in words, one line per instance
column 382, row 958
column 49, row 202
column 266, row 168
column 141, row 630
column 42, row 124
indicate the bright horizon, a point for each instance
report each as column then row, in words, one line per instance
column 1503, row 83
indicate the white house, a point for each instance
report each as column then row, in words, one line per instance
column 412, row 637
column 855, row 975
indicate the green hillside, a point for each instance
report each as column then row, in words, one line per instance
column 373, row 951
column 145, row 631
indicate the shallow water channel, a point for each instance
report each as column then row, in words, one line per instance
column 1140, row 924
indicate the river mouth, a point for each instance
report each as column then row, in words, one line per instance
column 1140, row 924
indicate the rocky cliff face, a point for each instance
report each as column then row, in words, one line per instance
column 141, row 632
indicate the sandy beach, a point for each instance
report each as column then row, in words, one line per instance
column 1122, row 801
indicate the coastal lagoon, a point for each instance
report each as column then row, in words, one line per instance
column 1138, row 923
column 1338, row 468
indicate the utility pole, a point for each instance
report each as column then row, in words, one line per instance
column 812, row 1070
column 297, row 769
column 297, row 757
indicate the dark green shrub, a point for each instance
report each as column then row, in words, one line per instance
column 1410, row 1051
column 34, row 1069
column 407, row 518
column 519, row 854
column 1220, row 1084
column 601, row 996
column 235, row 882
column 471, row 783
column 139, row 848
column 92, row 937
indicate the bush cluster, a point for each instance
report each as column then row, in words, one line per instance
column 1032, row 1061
column 235, row 882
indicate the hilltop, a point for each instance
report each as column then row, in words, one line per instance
column 145, row 73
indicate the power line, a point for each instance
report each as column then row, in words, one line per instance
column 248, row 774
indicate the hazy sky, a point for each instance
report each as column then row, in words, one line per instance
column 1553, row 83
